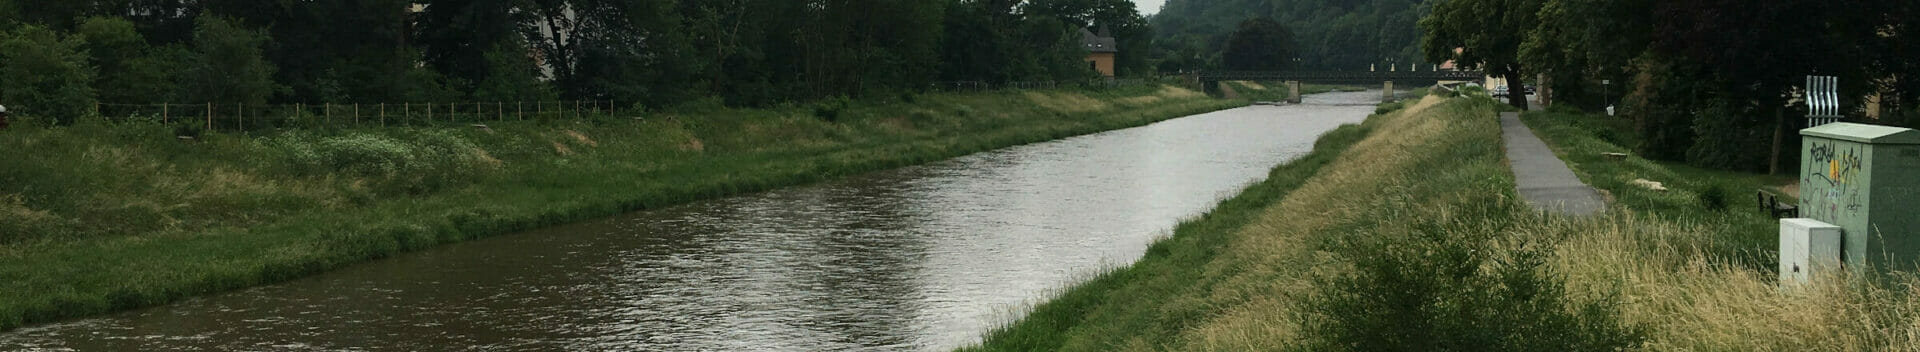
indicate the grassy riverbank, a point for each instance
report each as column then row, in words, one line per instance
column 1413, row 238
column 96, row 218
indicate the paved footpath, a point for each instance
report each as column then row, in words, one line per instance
column 1545, row 181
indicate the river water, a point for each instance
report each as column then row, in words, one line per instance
column 919, row 258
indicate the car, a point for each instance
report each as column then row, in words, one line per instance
column 1500, row 91
column 1530, row 89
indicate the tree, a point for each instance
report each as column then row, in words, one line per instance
column 511, row 76
column 1119, row 17
column 227, row 64
column 1259, row 45
column 1489, row 32
column 46, row 74
column 455, row 35
column 129, row 71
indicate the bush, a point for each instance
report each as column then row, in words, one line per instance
column 1456, row 284
column 829, row 109
column 1386, row 108
column 1715, row 196
column 1730, row 138
column 432, row 160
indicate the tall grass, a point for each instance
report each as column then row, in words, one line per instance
column 1702, row 277
column 99, row 217
column 1412, row 238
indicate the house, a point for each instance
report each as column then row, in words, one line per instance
column 1101, row 49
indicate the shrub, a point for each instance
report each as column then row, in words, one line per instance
column 1456, row 284
column 431, row 160
column 829, row 109
column 1715, row 196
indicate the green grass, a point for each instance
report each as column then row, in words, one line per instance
column 102, row 217
column 1694, row 194
column 1413, row 238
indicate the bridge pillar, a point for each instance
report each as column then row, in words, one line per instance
column 1293, row 92
column 1386, row 92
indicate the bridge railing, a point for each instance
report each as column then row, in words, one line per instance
column 1337, row 75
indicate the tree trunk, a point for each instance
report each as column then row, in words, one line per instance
column 1516, row 90
column 1779, row 139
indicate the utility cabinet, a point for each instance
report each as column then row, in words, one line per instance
column 1808, row 249
column 1866, row 180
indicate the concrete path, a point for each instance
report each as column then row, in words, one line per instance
column 1545, row 181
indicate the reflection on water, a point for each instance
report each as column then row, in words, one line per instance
column 919, row 258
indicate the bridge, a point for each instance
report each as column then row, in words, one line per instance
column 1210, row 81
column 1343, row 77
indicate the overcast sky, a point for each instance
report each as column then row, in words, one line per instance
column 1148, row 7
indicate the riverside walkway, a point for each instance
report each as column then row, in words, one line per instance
column 1543, row 179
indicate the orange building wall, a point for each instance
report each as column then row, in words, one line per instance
column 1102, row 62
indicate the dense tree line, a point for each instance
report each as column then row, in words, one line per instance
column 1327, row 34
column 60, row 56
column 1710, row 82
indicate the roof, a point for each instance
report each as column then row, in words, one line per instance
column 1862, row 133
column 1098, row 43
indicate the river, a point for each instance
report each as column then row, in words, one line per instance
column 919, row 258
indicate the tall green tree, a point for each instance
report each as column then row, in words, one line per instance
column 228, row 65
column 1332, row 34
column 1261, row 44
column 46, row 74
column 512, row 76
column 129, row 70
column 453, row 36
column 1120, row 18
column 1489, row 32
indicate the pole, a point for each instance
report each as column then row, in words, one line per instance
column 164, row 117
column 356, row 114
column 500, row 111
column 406, row 111
column 242, row 109
column 576, row 109
column 209, row 116
column 429, row 113
column 519, row 110
column 383, row 114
